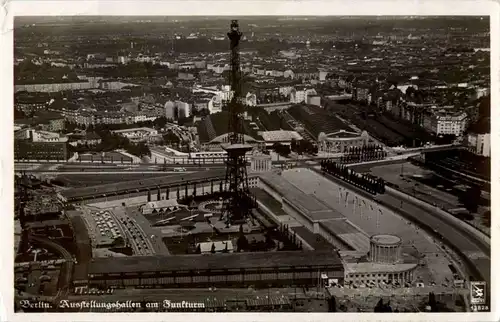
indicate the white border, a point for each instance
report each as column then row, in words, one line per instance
column 225, row 8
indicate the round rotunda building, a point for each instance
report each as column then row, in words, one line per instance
column 385, row 249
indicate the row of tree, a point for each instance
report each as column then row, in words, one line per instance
column 304, row 147
column 364, row 153
column 370, row 156
column 368, row 183
column 281, row 149
column 363, row 149
column 290, row 240
column 29, row 73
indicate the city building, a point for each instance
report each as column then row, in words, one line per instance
column 360, row 93
column 440, row 123
column 137, row 134
column 339, row 141
column 56, row 125
column 183, row 108
column 479, row 143
column 170, row 110
column 280, row 136
column 260, row 162
column 215, row 104
column 89, row 139
column 300, row 96
column 160, row 206
column 385, row 263
column 40, row 145
column 221, row 270
column 313, row 100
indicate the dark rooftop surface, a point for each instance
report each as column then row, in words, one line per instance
column 318, row 120
column 316, row 241
column 343, row 135
column 314, row 208
column 218, row 261
column 47, row 223
column 340, row 227
column 141, row 184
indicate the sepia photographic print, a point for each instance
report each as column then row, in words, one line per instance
column 286, row 163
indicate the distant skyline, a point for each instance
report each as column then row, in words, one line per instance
column 166, row 18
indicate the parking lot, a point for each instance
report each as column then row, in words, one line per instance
column 142, row 227
column 106, row 225
column 104, row 229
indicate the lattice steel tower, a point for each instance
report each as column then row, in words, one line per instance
column 240, row 202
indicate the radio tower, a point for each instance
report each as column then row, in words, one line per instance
column 240, row 202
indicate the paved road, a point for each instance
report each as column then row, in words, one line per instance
column 465, row 242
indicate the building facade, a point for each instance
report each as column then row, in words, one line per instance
column 479, row 143
column 340, row 141
column 385, row 249
column 446, row 123
column 40, row 145
column 260, row 163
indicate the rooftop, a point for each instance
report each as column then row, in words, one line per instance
column 237, row 261
column 386, row 239
column 369, row 267
column 349, row 233
column 120, row 187
column 281, row 135
column 311, row 206
column 144, row 129
column 342, row 134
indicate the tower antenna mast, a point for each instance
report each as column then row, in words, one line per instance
column 239, row 202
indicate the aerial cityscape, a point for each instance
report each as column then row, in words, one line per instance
column 252, row 164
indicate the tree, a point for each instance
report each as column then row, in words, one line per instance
column 19, row 114
column 432, row 302
column 212, row 250
column 241, row 243
column 380, row 306
column 471, row 198
column 160, row 122
column 281, row 149
column 293, row 145
column 332, row 304
column 170, row 138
